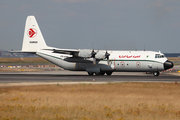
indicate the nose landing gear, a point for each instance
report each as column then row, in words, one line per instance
column 156, row 73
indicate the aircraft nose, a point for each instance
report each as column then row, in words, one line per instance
column 168, row 64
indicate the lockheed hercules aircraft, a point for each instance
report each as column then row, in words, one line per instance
column 96, row 62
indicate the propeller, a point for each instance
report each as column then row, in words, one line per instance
column 107, row 56
column 93, row 53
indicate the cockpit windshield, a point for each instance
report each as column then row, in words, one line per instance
column 159, row 56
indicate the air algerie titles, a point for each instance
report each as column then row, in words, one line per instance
column 129, row 56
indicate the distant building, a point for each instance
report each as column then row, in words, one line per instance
column 172, row 54
column 10, row 54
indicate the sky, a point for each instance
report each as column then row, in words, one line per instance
column 99, row 24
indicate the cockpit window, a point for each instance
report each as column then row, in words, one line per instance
column 162, row 56
column 159, row 56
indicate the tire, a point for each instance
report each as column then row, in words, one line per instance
column 108, row 73
column 90, row 73
column 97, row 73
column 156, row 73
column 102, row 73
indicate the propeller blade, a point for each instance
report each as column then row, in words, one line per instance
column 93, row 54
column 94, row 61
column 107, row 56
column 108, row 60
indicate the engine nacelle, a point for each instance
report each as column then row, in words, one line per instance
column 85, row 53
column 100, row 55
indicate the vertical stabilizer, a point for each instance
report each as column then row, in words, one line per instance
column 33, row 39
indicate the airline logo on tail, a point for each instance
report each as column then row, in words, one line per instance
column 32, row 32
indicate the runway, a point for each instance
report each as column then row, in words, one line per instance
column 81, row 77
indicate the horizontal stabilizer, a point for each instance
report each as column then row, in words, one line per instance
column 32, row 52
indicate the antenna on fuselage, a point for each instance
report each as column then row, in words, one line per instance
column 130, row 49
column 144, row 47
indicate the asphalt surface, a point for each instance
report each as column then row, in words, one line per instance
column 69, row 76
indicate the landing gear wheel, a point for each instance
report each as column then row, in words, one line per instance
column 90, row 73
column 97, row 73
column 102, row 73
column 156, row 73
column 108, row 73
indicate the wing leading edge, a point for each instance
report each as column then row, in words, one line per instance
column 64, row 51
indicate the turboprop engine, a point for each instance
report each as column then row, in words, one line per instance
column 100, row 55
column 84, row 53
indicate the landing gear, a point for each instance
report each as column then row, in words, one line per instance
column 109, row 73
column 100, row 73
column 156, row 73
column 97, row 73
column 90, row 73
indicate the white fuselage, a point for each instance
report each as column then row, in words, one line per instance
column 127, row 61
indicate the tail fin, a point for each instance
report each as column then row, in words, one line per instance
column 33, row 39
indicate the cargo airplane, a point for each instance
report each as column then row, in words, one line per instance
column 96, row 62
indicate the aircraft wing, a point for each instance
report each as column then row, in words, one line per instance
column 64, row 51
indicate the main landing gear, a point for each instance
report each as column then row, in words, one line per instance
column 156, row 73
column 100, row 73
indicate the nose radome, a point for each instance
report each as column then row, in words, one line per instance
column 168, row 64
